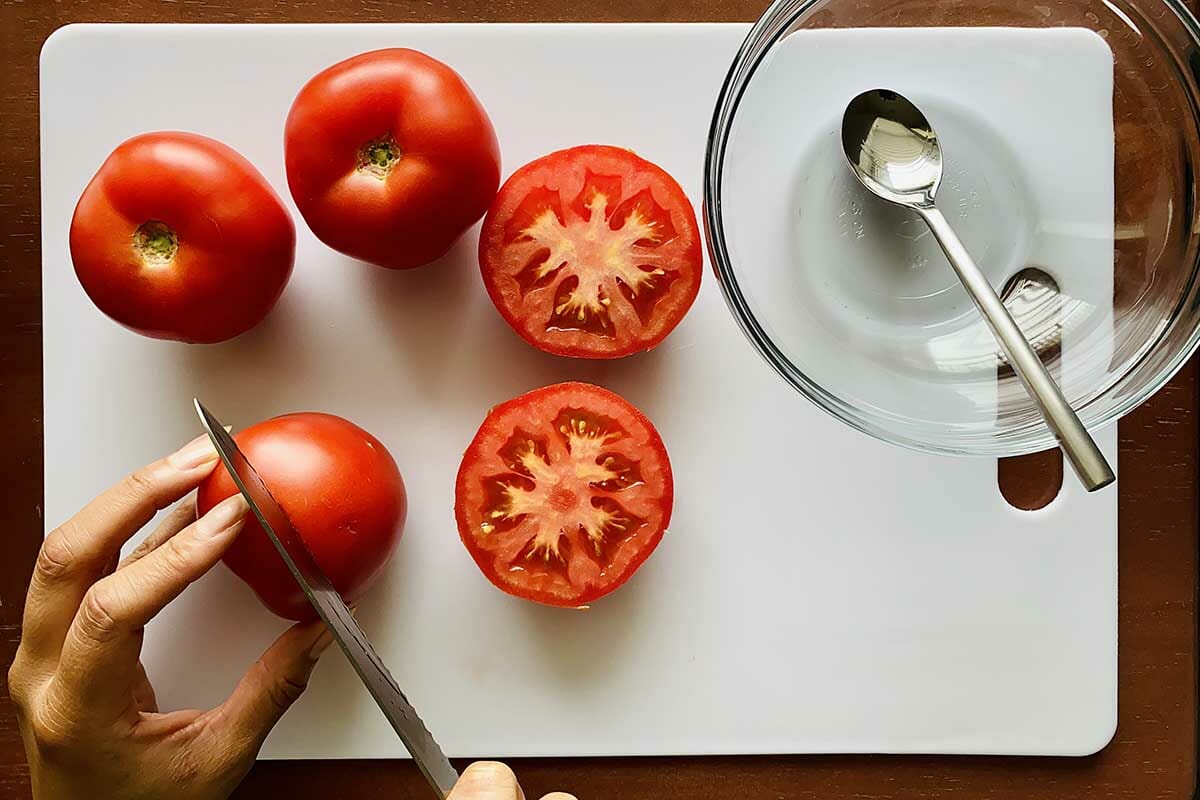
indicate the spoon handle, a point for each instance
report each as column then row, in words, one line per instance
column 1089, row 463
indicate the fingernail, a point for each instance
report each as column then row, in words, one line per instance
column 321, row 644
column 225, row 516
column 195, row 453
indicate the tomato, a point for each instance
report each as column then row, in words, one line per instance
column 563, row 493
column 179, row 237
column 390, row 157
column 591, row 252
column 342, row 493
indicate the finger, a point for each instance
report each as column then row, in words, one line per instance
column 100, row 653
column 179, row 518
column 268, row 689
column 487, row 780
column 560, row 796
column 74, row 555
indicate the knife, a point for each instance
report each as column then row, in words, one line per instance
column 332, row 609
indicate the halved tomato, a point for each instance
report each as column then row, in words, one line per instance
column 591, row 252
column 563, row 493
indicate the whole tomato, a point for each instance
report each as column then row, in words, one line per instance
column 390, row 157
column 342, row 493
column 179, row 237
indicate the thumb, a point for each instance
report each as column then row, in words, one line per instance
column 269, row 688
column 487, row 780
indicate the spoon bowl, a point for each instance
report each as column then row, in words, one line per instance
column 892, row 148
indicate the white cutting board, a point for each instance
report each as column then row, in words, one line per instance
column 819, row 591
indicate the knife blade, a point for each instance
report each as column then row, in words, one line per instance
column 426, row 753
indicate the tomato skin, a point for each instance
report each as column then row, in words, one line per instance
column 529, row 413
column 236, row 240
column 443, row 182
column 562, row 180
column 342, row 492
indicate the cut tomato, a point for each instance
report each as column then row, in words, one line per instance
column 342, row 493
column 591, row 252
column 563, row 493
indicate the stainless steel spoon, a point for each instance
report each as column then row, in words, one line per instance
column 894, row 152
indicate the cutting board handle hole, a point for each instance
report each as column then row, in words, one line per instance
column 1031, row 482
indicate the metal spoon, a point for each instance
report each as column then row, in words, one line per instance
column 894, row 152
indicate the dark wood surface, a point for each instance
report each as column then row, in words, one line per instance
column 1152, row 756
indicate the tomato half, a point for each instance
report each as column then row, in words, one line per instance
column 340, row 489
column 563, row 493
column 390, row 157
column 179, row 237
column 591, row 252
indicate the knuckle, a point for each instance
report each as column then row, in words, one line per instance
column 56, row 559
column 52, row 733
column 19, row 682
column 284, row 691
column 149, row 484
column 176, row 555
column 51, row 739
column 99, row 613
column 141, row 483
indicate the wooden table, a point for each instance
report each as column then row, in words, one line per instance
column 1152, row 756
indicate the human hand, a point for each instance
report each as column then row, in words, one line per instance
column 87, row 712
column 490, row 780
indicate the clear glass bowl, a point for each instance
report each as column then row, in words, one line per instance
column 1049, row 169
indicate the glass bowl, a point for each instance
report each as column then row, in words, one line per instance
column 1071, row 138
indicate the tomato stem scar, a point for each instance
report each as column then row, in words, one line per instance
column 378, row 157
column 155, row 243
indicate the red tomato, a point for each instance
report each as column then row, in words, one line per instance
column 390, row 157
column 563, row 493
column 591, row 252
column 341, row 491
column 179, row 237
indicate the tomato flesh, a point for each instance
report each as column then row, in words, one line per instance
column 591, row 252
column 563, row 493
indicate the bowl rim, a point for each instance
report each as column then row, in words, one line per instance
column 1030, row 437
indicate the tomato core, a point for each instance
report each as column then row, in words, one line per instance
column 155, row 243
column 379, row 157
column 562, row 498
